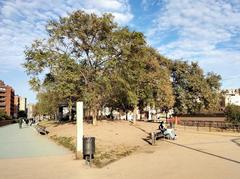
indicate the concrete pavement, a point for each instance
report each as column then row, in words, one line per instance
column 26, row 142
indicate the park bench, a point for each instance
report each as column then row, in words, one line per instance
column 162, row 132
column 155, row 136
column 41, row 129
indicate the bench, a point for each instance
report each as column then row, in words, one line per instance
column 41, row 129
column 155, row 136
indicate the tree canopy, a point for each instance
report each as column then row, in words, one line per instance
column 194, row 92
column 232, row 113
column 90, row 58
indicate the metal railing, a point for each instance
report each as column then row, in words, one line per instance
column 220, row 125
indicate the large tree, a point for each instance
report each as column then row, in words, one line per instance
column 74, row 55
column 194, row 92
column 90, row 58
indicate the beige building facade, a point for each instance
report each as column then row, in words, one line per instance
column 23, row 104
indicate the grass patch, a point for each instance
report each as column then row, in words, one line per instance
column 67, row 142
column 103, row 158
column 46, row 123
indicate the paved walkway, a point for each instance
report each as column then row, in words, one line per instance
column 26, row 142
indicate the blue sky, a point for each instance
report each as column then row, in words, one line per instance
column 207, row 31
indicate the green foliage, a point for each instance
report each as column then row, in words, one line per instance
column 3, row 115
column 232, row 113
column 22, row 114
column 90, row 58
column 194, row 92
column 47, row 104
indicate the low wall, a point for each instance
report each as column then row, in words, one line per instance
column 217, row 119
column 5, row 122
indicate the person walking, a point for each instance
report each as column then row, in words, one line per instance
column 20, row 121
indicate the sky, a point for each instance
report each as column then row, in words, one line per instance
column 203, row 31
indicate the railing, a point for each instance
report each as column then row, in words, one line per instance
column 220, row 125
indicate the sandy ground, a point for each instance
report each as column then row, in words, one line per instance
column 109, row 133
column 193, row 155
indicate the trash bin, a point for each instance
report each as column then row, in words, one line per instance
column 88, row 147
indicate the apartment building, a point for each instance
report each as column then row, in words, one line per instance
column 23, row 104
column 6, row 98
column 16, row 105
column 232, row 97
column 30, row 110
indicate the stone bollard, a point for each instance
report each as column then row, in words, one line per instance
column 153, row 137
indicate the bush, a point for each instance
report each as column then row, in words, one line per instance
column 232, row 113
column 3, row 115
column 22, row 114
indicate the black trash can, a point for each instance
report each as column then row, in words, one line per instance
column 88, row 147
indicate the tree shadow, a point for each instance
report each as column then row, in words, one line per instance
column 147, row 140
column 143, row 130
column 236, row 141
column 207, row 153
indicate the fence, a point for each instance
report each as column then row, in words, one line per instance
column 211, row 125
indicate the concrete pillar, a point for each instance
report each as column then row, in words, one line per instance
column 149, row 114
column 79, row 130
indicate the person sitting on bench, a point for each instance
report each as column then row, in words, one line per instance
column 161, row 127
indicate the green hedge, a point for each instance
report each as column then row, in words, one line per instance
column 232, row 113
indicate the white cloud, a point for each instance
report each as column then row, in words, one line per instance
column 22, row 21
column 102, row 4
column 205, row 30
column 146, row 4
column 122, row 18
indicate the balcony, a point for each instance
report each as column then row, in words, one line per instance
column 2, row 104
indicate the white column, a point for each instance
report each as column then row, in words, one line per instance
column 79, row 129
column 149, row 113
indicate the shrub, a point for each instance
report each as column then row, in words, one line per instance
column 232, row 113
column 3, row 115
column 22, row 114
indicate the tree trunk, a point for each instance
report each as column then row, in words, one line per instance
column 111, row 114
column 135, row 113
column 70, row 109
column 98, row 116
column 141, row 113
column 94, row 117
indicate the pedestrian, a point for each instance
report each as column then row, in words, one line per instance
column 171, row 122
column 26, row 121
column 20, row 121
column 32, row 121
